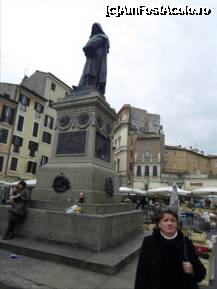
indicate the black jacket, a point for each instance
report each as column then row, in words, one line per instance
column 19, row 205
column 160, row 264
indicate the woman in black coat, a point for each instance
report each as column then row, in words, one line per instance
column 164, row 261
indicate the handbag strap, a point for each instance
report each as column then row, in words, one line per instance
column 185, row 249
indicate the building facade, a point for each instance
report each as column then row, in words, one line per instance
column 185, row 161
column 8, row 108
column 189, row 167
column 134, row 133
column 148, row 161
column 142, row 160
column 51, row 88
column 31, row 129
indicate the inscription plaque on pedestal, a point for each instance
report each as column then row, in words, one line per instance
column 71, row 142
column 102, row 147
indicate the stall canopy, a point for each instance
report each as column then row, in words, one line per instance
column 125, row 190
column 30, row 183
column 140, row 192
column 166, row 191
column 130, row 190
column 209, row 191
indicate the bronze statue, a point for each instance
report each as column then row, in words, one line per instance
column 95, row 69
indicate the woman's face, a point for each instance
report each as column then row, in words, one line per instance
column 168, row 225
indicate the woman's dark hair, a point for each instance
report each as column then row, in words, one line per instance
column 163, row 211
column 22, row 183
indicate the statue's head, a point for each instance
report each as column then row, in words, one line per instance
column 96, row 29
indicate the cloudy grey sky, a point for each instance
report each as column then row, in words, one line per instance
column 164, row 64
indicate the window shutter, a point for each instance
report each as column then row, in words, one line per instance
column 20, row 123
column 1, row 163
column 29, row 167
column 13, row 139
column 20, row 141
column 28, row 101
column 34, row 168
column 23, row 99
column 11, row 116
column 51, row 123
column 3, row 116
column 45, row 120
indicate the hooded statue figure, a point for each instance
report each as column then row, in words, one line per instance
column 95, row 68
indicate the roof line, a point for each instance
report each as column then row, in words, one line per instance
column 7, row 98
column 32, row 91
column 52, row 75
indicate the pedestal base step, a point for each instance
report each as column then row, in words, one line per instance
column 108, row 262
column 85, row 207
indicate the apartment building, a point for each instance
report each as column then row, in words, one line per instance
column 148, row 159
column 185, row 161
column 51, row 88
column 134, row 126
column 27, row 113
column 8, row 109
column 213, row 165
column 23, row 142
column 189, row 167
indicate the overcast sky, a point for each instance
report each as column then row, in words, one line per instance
column 164, row 64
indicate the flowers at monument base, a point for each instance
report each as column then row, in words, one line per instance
column 75, row 209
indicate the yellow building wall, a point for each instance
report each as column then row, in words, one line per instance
column 185, row 161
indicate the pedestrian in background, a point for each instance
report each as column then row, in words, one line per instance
column 167, row 258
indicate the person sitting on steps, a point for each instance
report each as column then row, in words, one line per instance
column 19, row 203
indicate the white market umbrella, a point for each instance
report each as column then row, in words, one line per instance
column 140, row 192
column 174, row 198
column 130, row 190
column 8, row 184
column 204, row 191
column 209, row 192
column 166, row 191
column 125, row 190
column 29, row 183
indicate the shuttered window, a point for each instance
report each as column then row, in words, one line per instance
column 46, row 137
column 44, row 160
column 20, row 123
column 7, row 114
column 17, row 141
column 1, row 163
column 14, row 162
column 48, row 121
column 31, row 167
column 35, row 129
column 3, row 135
column 33, row 147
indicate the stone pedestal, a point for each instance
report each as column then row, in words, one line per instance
column 82, row 162
column 82, row 151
